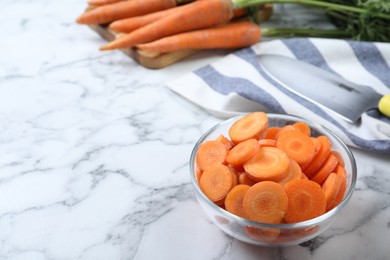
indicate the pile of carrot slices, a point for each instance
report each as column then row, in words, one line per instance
column 164, row 26
column 271, row 174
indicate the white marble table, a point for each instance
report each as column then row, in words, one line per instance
column 94, row 154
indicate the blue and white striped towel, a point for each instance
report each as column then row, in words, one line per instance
column 237, row 84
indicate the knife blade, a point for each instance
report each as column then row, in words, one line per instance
column 323, row 88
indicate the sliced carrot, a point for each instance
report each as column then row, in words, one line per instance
column 262, row 234
column 209, row 153
column 216, row 182
column 306, row 200
column 267, row 142
column 107, row 13
column 233, row 200
column 234, row 175
column 326, row 169
column 303, row 127
column 284, row 129
column 297, row 146
column 269, row 163
column 242, row 152
column 265, row 202
column 304, row 176
column 226, row 142
column 340, row 171
column 229, row 36
column 317, row 147
column 193, row 16
column 250, row 126
column 331, row 188
column 243, row 178
column 320, row 157
column 295, row 172
column 339, row 158
column 271, row 132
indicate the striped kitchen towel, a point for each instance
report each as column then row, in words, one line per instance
column 236, row 84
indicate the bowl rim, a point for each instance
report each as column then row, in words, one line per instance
column 302, row 224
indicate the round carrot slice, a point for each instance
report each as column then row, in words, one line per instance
column 306, row 200
column 265, row 202
column 242, row 152
column 209, row 153
column 295, row 172
column 331, row 188
column 243, row 178
column 297, row 146
column 269, row 163
column 303, row 127
column 233, row 200
column 340, row 171
column 320, row 157
column 271, row 132
column 326, row 169
column 267, row 142
column 216, row 181
column 250, row 126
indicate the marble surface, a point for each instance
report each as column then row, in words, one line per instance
column 94, row 153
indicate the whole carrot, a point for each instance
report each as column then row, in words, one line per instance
column 102, row 2
column 124, row 9
column 235, row 35
column 195, row 15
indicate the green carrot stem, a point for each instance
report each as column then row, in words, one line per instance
column 303, row 32
column 323, row 4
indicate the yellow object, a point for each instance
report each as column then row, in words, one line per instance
column 384, row 105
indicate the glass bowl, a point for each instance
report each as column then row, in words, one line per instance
column 274, row 235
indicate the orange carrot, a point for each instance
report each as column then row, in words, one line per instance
column 102, row 2
column 226, row 142
column 262, row 234
column 124, row 9
column 331, row 188
column 265, row 202
column 339, row 158
column 326, row 169
column 320, row 157
column 267, row 142
column 297, row 146
column 250, row 126
column 233, row 200
column 340, row 171
column 284, row 129
column 216, row 182
column 243, row 178
column 306, row 200
column 303, row 127
column 209, row 153
column 130, row 24
column 230, row 36
column 295, row 172
column 269, row 163
column 242, row 152
column 193, row 16
column 271, row 132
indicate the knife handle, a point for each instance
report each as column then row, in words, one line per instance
column 384, row 105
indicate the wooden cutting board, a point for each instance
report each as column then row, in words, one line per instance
column 164, row 59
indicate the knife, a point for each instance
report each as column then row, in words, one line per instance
column 324, row 88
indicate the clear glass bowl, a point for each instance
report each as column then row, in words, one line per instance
column 263, row 234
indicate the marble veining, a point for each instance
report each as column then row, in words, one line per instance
column 94, row 153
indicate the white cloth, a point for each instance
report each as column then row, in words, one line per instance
column 236, row 84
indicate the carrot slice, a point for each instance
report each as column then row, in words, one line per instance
column 339, row 158
column 297, row 146
column 271, row 132
column 295, row 172
column 331, row 188
column 209, row 153
column 326, row 169
column 216, row 182
column 267, row 142
column 233, row 200
column 306, row 200
column 226, row 142
column 340, row 171
column 243, row 178
column 262, row 234
column 242, row 152
column 269, row 163
column 283, row 129
column 265, row 202
column 303, row 127
column 320, row 157
column 250, row 126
